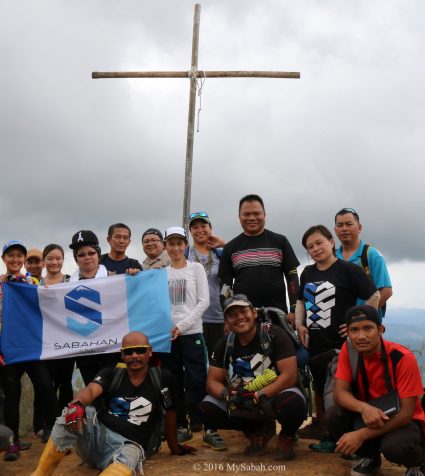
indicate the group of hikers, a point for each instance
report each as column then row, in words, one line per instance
column 239, row 352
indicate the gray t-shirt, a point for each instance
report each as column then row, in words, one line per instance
column 210, row 263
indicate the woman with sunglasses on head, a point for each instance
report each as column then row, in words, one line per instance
column 86, row 250
column 60, row 369
column 207, row 249
column 328, row 288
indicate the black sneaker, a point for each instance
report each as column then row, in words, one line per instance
column 366, row 466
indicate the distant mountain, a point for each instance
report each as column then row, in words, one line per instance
column 407, row 327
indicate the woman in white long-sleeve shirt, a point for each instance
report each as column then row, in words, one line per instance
column 189, row 295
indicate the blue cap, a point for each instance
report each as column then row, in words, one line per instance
column 14, row 244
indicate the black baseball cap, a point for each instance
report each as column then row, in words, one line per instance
column 83, row 238
column 153, row 231
column 363, row 313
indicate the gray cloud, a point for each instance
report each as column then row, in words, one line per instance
column 78, row 153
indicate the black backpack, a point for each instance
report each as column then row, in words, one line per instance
column 266, row 317
column 157, row 435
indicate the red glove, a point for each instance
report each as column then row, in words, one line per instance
column 74, row 416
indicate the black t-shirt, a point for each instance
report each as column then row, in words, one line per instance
column 132, row 411
column 119, row 267
column 257, row 264
column 248, row 361
column 327, row 295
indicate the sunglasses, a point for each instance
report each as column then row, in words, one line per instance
column 198, row 215
column 137, row 349
column 89, row 253
column 348, row 210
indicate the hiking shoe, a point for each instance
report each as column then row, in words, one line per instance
column 12, row 453
column 366, row 466
column 184, row 435
column 285, row 447
column 326, row 445
column 259, row 440
column 313, row 431
column 213, row 440
column 24, row 445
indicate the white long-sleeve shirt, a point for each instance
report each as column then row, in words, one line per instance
column 189, row 296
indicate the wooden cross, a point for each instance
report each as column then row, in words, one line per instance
column 193, row 74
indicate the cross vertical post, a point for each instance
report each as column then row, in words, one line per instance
column 191, row 119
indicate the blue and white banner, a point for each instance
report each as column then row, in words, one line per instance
column 84, row 317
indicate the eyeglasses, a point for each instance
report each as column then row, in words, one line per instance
column 151, row 242
column 194, row 215
column 89, row 253
column 136, row 349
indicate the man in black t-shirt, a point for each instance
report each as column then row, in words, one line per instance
column 116, row 261
column 255, row 262
column 115, row 439
column 250, row 387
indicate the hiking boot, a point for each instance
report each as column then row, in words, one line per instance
column 259, row 440
column 184, row 435
column 313, row 431
column 213, row 440
column 12, row 453
column 416, row 470
column 366, row 466
column 285, row 447
column 24, row 445
column 326, row 445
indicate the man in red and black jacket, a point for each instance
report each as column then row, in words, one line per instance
column 364, row 425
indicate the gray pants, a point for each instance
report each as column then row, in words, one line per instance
column 98, row 446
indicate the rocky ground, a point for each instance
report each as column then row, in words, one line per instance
column 206, row 461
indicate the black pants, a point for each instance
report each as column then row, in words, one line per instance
column 404, row 446
column 213, row 332
column 42, row 382
column 90, row 365
column 188, row 355
column 289, row 408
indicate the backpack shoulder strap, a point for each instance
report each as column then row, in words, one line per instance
column 364, row 260
column 116, row 379
column 353, row 356
column 156, row 378
column 228, row 351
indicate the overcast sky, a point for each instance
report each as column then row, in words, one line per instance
column 80, row 153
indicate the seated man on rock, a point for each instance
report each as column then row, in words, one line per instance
column 128, row 428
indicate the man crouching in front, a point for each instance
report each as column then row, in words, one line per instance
column 252, row 382
column 377, row 397
column 128, row 427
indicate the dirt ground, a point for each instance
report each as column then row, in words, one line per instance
column 206, row 461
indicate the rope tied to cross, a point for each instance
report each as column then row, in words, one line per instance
column 193, row 74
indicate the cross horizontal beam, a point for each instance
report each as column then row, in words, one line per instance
column 199, row 74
